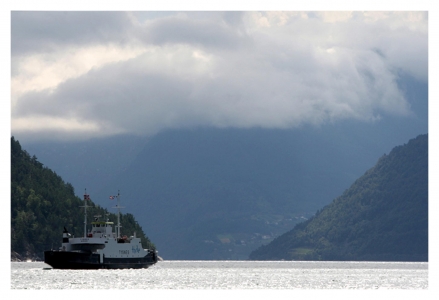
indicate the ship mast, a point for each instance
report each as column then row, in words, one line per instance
column 118, row 214
column 86, row 197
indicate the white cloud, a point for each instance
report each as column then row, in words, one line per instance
column 42, row 71
column 36, row 124
column 269, row 69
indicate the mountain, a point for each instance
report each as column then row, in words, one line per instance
column 42, row 204
column 217, row 194
column 383, row 216
column 221, row 193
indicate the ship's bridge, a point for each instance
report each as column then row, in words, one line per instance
column 101, row 229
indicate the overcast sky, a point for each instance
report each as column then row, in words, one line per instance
column 90, row 74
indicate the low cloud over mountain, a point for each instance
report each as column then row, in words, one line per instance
column 92, row 74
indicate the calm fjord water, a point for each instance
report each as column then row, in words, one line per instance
column 228, row 275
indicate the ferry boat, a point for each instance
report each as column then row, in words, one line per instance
column 100, row 248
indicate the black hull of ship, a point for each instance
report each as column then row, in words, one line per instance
column 90, row 261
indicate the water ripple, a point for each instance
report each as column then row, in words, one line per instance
column 210, row 275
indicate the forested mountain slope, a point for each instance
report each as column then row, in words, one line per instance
column 383, row 216
column 42, row 204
